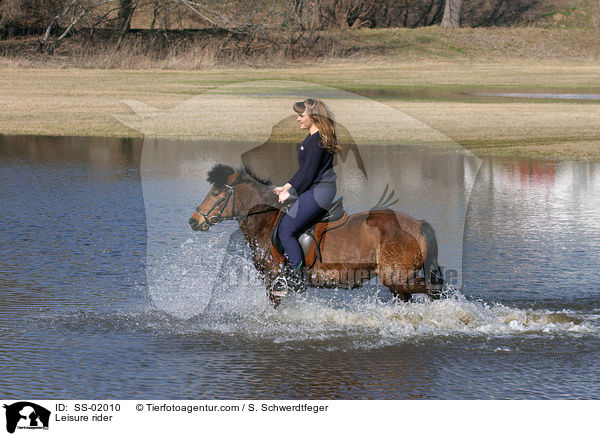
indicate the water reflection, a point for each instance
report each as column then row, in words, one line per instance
column 532, row 228
column 452, row 94
column 554, row 96
column 95, row 152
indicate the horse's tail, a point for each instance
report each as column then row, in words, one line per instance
column 431, row 270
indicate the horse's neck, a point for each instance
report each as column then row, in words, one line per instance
column 259, row 213
column 257, row 226
column 263, row 194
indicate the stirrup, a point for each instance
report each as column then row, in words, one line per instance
column 289, row 280
column 280, row 286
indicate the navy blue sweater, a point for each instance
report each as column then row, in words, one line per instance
column 315, row 165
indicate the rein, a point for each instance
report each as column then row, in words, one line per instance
column 225, row 200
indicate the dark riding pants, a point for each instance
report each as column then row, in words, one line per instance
column 301, row 216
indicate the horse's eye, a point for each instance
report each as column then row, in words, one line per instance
column 214, row 194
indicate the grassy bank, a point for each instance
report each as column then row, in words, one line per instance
column 426, row 73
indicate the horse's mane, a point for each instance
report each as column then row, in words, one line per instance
column 260, row 180
column 219, row 174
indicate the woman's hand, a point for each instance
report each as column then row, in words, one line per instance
column 283, row 196
column 280, row 189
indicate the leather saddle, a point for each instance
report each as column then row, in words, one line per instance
column 310, row 240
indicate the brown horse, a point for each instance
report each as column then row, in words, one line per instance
column 384, row 243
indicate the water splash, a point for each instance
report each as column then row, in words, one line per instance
column 180, row 278
column 233, row 303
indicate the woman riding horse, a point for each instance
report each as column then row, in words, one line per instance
column 383, row 243
column 314, row 184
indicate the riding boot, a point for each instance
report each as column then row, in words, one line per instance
column 289, row 280
column 297, row 278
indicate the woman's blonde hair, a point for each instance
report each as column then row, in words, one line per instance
column 324, row 121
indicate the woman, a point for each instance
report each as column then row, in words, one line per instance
column 314, row 184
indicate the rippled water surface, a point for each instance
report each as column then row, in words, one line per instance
column 98, row 302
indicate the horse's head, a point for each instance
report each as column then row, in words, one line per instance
column 219, row 203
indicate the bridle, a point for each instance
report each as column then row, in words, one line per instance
column 224, row 201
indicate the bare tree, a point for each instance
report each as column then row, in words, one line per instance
column 125, row 11
column 235, row 17
column 349, row 13
column 125, row 26
column 452, row 12
column 76, row 11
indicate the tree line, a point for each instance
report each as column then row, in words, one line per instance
column 276, row 21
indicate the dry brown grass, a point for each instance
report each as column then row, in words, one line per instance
column 83, row 101
column 550, row 130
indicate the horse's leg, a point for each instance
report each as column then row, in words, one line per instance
column 401, row 296
column 432, row 272
column 395, row 277
column 269, row 269
column 235, row 255
column 434, row 294
column 434, row 289
column 394, row 263
column 275, row 299
column 402, row 284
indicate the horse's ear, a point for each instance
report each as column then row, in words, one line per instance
column 219, row 174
